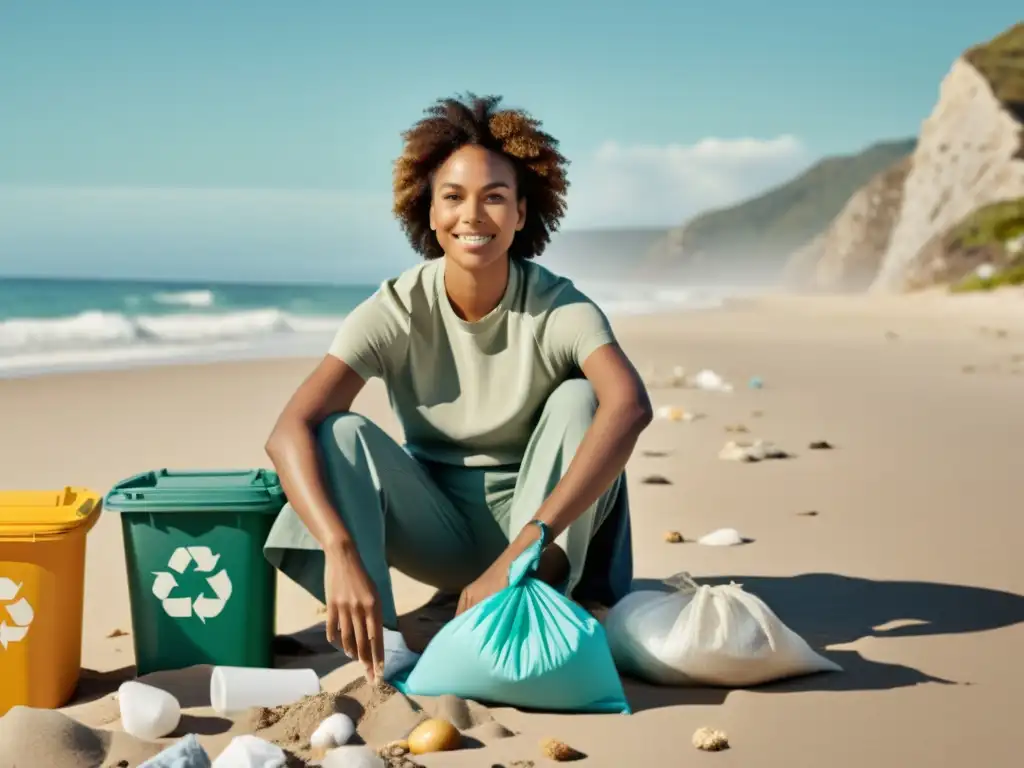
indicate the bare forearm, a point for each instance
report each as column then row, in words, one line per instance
column 600, row 458
column 293, row 451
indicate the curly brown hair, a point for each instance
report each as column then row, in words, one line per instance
column 454, row 123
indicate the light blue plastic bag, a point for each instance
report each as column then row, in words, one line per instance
column 526, row 646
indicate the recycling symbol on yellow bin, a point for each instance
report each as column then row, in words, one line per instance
column 16, row 614
column 203, row 607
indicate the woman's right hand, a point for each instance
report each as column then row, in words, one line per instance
column 354, row 619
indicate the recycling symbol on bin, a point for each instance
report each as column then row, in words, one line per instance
column 202, row 606
column 15, row 616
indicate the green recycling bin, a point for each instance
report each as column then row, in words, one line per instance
column 201, row 590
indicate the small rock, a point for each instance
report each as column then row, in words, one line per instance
column 560, row 751
column 820, row 445
column 656, row 480
column 809, row 513
column 117, row 633
column 710, row 740
column 673, row 537
column 395, row 749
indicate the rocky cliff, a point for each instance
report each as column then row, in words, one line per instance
column 846, row 257
column 968, row 157
column 751, row 240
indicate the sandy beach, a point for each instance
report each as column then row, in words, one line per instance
column 909, row 575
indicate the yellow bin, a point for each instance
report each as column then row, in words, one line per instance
column 42, row 580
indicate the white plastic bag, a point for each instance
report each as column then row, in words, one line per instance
column 704, row 635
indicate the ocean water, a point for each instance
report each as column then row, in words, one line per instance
column 49, row 325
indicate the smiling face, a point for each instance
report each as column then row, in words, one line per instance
column 475, row 210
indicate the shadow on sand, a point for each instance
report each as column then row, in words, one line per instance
column 826, row 609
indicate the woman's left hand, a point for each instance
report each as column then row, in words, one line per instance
column 491, row 582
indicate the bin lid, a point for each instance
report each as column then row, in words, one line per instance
column 197, row 491
column 44, row 514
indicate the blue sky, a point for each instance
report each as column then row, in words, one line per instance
column 198, row 139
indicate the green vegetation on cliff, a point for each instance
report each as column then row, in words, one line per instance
column 762, row 232
column 989, row 230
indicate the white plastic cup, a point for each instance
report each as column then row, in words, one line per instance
column 146, row 712
column 236, row 689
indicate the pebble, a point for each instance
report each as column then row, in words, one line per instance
column 560, row 751
column 710, row 740
column 820, row 445
column 673, row 537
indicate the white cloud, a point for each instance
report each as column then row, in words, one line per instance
column 645, row 185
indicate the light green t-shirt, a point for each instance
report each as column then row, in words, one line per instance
column 470, row 393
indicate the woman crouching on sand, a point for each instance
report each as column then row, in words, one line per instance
column 519, row 409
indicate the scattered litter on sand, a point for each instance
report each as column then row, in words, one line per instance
column 675, row 413
column 723, row 537
column 673, row 537
column 382, row 716
column 676, row 379
column 750, row 452
column 710, row 740
column 54, row 740
column 655, row 480
column 705, row 379
column 710, row 381
column 560, row 751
